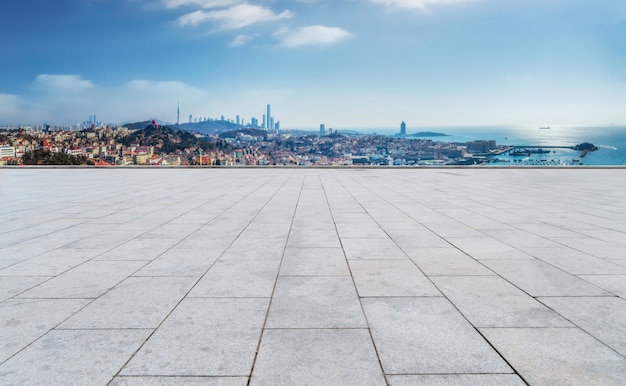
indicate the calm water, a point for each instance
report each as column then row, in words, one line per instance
column 611, row 142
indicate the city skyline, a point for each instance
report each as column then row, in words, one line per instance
column 346, row 64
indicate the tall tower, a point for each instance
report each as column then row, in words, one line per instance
column 269, row 118
column 178, row 113
column 322, row 130
column 403, row 129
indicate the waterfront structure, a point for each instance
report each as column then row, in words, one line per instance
column 481, row 146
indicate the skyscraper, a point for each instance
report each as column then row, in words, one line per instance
column 403, row 129
column 322, row 130
column 178, row 113
column 269, row 118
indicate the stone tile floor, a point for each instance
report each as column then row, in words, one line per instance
column 313, row 276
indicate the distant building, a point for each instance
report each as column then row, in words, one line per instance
column 7, row 151
column 403, row 129
column 481, row 146
column 322, row 130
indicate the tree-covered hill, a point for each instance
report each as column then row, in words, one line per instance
column 167, row 140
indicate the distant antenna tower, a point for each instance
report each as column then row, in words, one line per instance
column 178, row 114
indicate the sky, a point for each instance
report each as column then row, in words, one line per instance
column 343, row 63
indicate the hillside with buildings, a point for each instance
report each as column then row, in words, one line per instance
column 155, row 144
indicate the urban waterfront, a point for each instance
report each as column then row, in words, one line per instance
column 610, row 140
column 151, row 144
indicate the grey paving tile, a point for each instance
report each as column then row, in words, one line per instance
column 490, row 301
column 25, row 320
column 267, row 231
column 137, row 302
column 446, row 261
column 139, row 249
column 313, row 239
column 374, row 248
column 315, row 302
column 408, row 239
column 456, row 380
column 88, row 280
column 427, row 336
column 181, row 262
column 238, row 278
column 487, row 248
column 167, row 381
column 255, row 249
column 540, row 279
column 203, row 337
column 317, row 357
column 368, row 229
column 314, row 261
column 558, row 356
column 23, row 251
column 575, row 262
column 170, row 230
column 602, row 317
column 518, row 238
column 615, row 284
column 313, row 224
column 207, row 240
column 72, row 357
column 547, row 230
column 595, row 247
column 390, row 278
column 51, row 263
column 14, row 285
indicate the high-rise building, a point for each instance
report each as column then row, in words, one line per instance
column 403, row 129
column 264, row 122
column 269, row 118
column 178, row 114
column 322, row 130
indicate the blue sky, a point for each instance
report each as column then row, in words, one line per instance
column 344, row 63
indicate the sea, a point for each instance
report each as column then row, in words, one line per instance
column 610, row 140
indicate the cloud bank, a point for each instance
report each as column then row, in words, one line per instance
column 315, row 35
column 418, row 4
column 235, row 17
column 63, row 99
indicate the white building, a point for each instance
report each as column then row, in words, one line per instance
column 7, row 151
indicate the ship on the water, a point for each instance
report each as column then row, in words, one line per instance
column 544, row 128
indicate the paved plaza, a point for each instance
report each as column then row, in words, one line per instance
column 443, row 276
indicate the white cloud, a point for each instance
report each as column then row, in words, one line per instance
column 318, row 35
column 241, row 40
column 73, row 82
column 418, row 4
column 67, row 99
column 235, row 17
column 206, row 4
